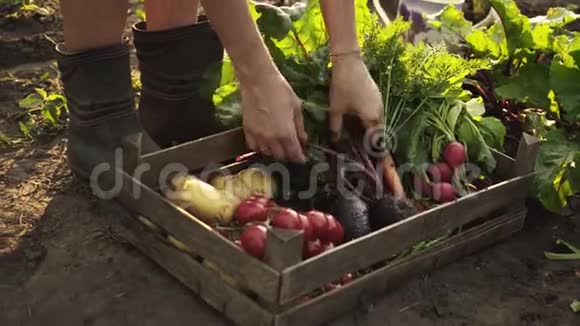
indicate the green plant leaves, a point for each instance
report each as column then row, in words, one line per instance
column 32, row 100
column 517, row 26
column 528, row 86
column 555, row 17
column 573, row 255
column 477, row 148
column 575, row 306
column 273, row 21
column 51, row 106
column 453, row 20
column 493, row 131
column 564, row 81
column 557, row 170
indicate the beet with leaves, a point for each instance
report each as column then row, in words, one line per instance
column 389, row 210
column 353, row 214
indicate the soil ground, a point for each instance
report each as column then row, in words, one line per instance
column 61, row 265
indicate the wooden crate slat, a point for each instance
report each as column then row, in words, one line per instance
column 525, row 160
column 213, row 290
column 383, row 244
column 195, row 155
column 505, row 164
column 359, row 292
column 250, row 272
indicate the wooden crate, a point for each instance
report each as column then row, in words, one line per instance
column 271, row 292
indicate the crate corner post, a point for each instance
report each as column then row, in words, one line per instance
column 527, row 153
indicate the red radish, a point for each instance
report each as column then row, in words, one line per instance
column 319, row 224
column 443, row 192
column 312, row 248
column 327, row 246
column 454, row 154
column 306, row 227
column 335, row 231
column 253, row 240
column 262, row 200
column 250, row 211
column 286, row 219
column 421, row 187
column 440, row 172
column 346, row 279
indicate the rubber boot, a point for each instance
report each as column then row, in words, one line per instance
column 101, row 101
column 176, row 95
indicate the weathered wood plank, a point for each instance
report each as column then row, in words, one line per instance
column 229, row 301
column 504, row 166
column 365, row 289
column 201, row 153
column 283, row 248
column 526, row 155
column 383, row 244
column 193, row 233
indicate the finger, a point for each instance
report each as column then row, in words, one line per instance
column 277, row 150
column 250, row 141
column 335, row 124
column 299, row 123
column 293, row 150
column 264, row 148
column 371, row 122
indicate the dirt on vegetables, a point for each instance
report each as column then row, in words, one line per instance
column 61, row 263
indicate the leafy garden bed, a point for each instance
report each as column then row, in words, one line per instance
column 480, row 86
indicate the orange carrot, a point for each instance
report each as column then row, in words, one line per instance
column 391, row 177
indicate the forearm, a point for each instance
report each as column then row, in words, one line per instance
column 339, row 18
column 240, row 36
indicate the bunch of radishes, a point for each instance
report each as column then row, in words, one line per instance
column 440, row 174
column 321, row 231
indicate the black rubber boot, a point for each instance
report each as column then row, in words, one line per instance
column 97, row 85
column 175, row 65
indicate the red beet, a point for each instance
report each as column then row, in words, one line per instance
column 454, row 154
column 440, row 172
column 443, row 192
column 253, row 241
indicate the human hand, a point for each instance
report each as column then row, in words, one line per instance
column 272, row 117
column 353, row 91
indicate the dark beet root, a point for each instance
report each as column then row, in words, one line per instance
column 389, row 210
column 352, row 213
